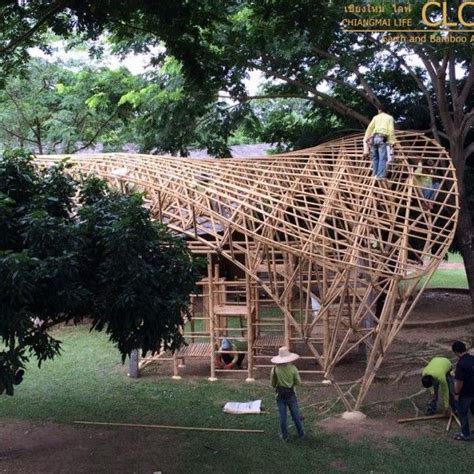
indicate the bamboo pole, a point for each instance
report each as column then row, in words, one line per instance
column 250, row 320
column 169, row 427
column 210, row 282
column 422, row 418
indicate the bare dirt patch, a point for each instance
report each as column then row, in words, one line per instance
column 339, row 464
column 57, row 448
column 381, row 430
column 354, row 431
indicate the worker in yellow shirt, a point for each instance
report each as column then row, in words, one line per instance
column 437, row 377
column 379, row 136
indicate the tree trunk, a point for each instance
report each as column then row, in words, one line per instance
column 38, row 137
column 465, row 230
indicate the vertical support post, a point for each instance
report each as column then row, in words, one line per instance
column 250, row 319
column 288, row 299
column 219, row 297
column 176, row 375
column 212, row 378
column 256, row 296
column 133, row 370
column 193, row 313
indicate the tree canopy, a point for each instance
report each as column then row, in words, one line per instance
column 64, row 108
column 305, row 49
column 71, row 250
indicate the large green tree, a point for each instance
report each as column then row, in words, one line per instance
column 171, row 116
column 64, row 108
column 72, row 250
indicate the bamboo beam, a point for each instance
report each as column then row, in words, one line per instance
column 169, row 427
column 422, row 418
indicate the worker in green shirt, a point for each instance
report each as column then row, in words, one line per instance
column 284, row 377
column 424, row 181
column 437, row 377
column 232, row 353
column 380, row 139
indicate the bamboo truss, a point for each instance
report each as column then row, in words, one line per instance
column 344, row 257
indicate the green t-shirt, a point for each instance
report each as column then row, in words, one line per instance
column 285, row 375
column 237, row 348
column 423, row 180
column 438, row 368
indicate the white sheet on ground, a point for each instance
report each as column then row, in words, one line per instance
column 246, row 408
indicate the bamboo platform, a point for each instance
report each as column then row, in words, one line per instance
column 199, row 350
column 194, row 350
column 343, row 257
column 266, row 342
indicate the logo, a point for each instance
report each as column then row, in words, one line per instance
column 462, row 13
column 413, row 21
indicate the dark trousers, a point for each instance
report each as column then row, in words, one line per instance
column 463, row 411
column 228, row 358
column 432, row 405
column 292, row 404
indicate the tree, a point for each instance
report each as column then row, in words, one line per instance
column 172, row 117
column 291, row 124
column 71, row 250
column 56, row 108
column 171, row 27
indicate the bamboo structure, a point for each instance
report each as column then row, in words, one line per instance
column 343, row 257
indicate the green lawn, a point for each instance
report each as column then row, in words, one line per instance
column 454, row 258
column 88, row 383
column 448, row 279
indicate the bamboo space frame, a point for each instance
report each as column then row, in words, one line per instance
column 341, row 257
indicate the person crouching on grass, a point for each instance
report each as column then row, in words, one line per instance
column 284, row 377
column 437, row 377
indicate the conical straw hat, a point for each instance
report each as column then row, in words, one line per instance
column 284, row 356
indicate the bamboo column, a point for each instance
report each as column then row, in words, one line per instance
column 250, row 323
column 212, row 377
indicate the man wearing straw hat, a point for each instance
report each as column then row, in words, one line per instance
column 284, row 377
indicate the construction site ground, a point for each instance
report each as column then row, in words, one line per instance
column 48, row 441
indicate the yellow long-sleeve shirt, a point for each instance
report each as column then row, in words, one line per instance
column 437, row 368
column 384, row 125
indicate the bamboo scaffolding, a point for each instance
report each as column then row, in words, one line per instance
column 306, row 225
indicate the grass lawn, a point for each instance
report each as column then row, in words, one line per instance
column 455, row 258
column 88, row 383
column 452, row 278
column 448, row 279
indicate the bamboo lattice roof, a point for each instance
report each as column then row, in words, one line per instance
column 321, row 203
